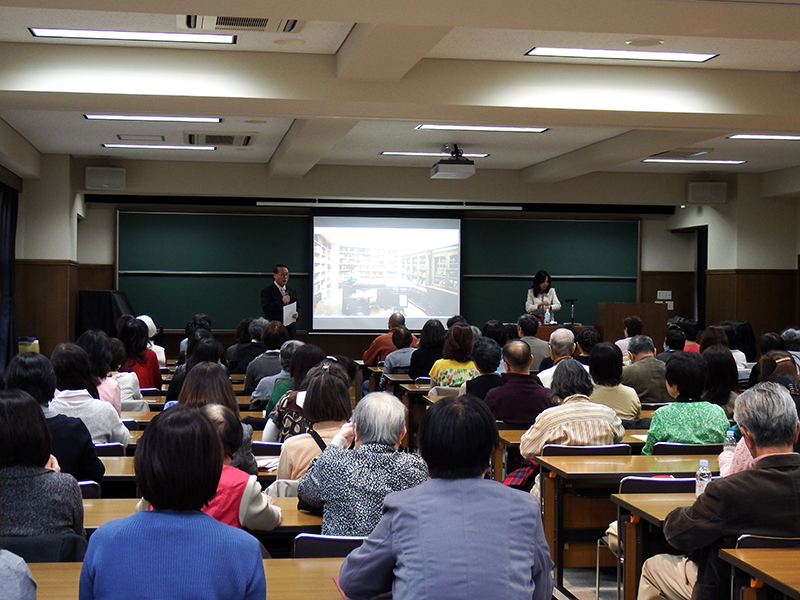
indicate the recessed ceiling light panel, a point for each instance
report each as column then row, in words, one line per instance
column 620, row 54
column 493, row 128
column 154, row 118
column 133, row 36
column 431, row 154
column 695, row 161
column 156, row 147
column 764, row 136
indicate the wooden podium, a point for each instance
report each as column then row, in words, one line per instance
column 610, row 315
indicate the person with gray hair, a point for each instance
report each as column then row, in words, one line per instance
column 263, row 397
column 350, row 485
column 791, row 337
column 562, row 345
column 764, row 500
column 247, row 352
column 645, row 374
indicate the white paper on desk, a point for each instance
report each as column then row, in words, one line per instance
column 268, row 463
column 288, row 313
column 640, row 436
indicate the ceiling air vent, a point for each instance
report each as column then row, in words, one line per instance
column 208, row 23
column 198, row 138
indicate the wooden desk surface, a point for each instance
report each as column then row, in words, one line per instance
column 511, row 437
column 647, row 414
column 99, row 511
column 398, row 377
column 148, row 416
column 118, row 467
column 414, row 389
column 287, row 579
column 776, row 567
column 653, row 508
column 616, row 467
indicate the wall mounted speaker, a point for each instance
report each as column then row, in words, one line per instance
column 707, row 192
column 105, row 178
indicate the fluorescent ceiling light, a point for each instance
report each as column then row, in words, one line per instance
column 433, row 154
column 155, row 118
column 498, row 128
column 157, row 147
column 764, row 136
column 694, row 161
column 620, row 54
column 134, row 36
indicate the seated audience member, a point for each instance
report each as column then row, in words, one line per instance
column 689, row 329
column 327, row 408
column 486, row 355
column 605, row 367
column 398, row 361
column 287, row 418
column 741, row 340
column 245, row 353
column 241, row 335
column 138, row 358
column 722, row 385
column 674, row 341
column 273, row 335
column 239, row 501
column 130, row 395
column 521, row 397
column 202, row 348
column 199, row 321
column 71, row 442
column 496, row 331
column 262, row 395
column 455, row 366
column 631, row 326
column 715, row 335
column 350, row 485
column 456, row 319
column 585, row 340
column 457, row 550
column 382, row 345
column 527, row 327
column 791, row 340
column 151, row 333
column 208, row 383
column 512, row 331
column 645, row 374
column 78, row 397
column 178, row 463
column 562, row 345
column 35, row 499
column 688, row 420
column 97, row 347
column 575, row 420
column 431, row 341
column 766, row 342
column 730, row 505
column 18, row 583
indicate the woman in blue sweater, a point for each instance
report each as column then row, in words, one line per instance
column 174, row 551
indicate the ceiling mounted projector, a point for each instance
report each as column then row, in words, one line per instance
column 456, row 167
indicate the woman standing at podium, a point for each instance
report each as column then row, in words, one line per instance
column 542, row 297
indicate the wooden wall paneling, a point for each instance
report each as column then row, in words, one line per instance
column 95, row 277
column 766, row 298
column 46, row 301
column 680, row 283
column 720, row 296
column 610, row 316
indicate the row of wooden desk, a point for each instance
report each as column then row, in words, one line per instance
column 287, row 579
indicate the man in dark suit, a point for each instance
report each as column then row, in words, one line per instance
column 274, row 297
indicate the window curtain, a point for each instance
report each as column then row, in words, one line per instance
column 8, row 235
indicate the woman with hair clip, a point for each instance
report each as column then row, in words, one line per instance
column 327, row 408
column 78, row 397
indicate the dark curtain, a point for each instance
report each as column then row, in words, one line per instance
column 8, row 236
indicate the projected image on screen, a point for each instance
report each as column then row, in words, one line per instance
column 367, row 268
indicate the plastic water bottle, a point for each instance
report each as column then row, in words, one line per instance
column 702, row 477
column 547, row 317
column 730, row 442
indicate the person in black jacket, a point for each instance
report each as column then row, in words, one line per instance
column 274, row 297
column 72, row 445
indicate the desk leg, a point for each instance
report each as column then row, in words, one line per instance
column 406, row 400
column 498, row 459
column 552, row 498
column 634, row 541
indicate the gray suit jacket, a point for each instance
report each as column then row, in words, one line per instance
column 647, row 378
column 453, row 539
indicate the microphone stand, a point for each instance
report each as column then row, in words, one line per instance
column 572, row 302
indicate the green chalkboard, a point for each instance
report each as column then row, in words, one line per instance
column 173, row 265
column 592, row 261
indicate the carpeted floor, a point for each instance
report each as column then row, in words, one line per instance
column 581, row 583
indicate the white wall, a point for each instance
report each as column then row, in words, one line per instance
column 722, row 231
column 97, row 235
column 665, row 250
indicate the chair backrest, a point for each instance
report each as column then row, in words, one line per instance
column 605, row 450
column 675, row 448
column 423, row 380
column 443, row 390
column 266, row 448
column 634, row 484
column 110, row 449
column 311, row 545
column 131, row 424
column 90, row 489
column 59, row 547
